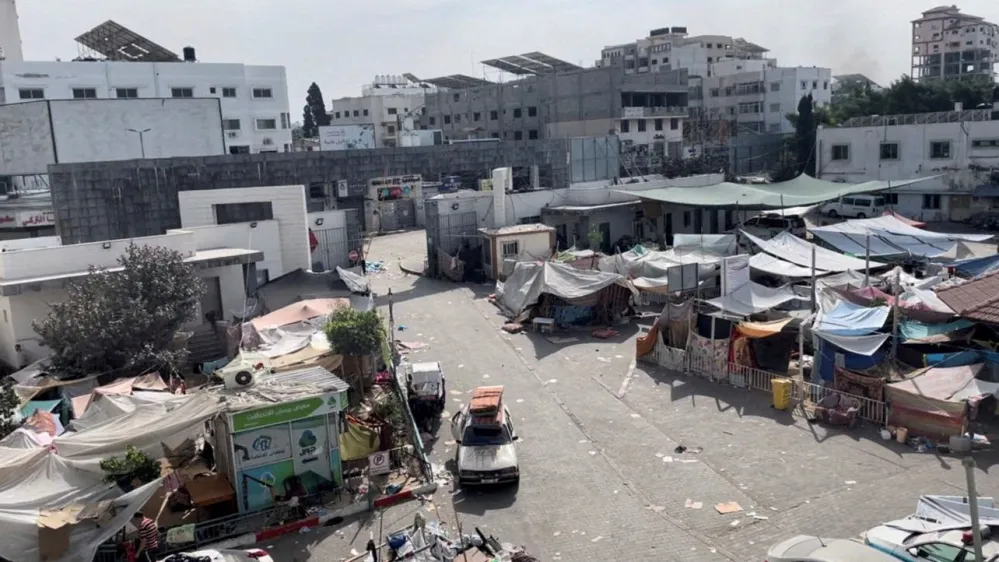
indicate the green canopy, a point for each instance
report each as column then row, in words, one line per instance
column 802, row 190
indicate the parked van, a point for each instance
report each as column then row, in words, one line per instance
column 855, row 206
column 768, row 225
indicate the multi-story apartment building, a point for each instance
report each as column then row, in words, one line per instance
column 387, row 103
column 122, row 64
column 10, row 32
column 755, row 96
column 949, row 44
column 670, row 48
column 640, row 109
column 959, row 149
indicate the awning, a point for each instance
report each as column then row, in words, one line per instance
column 769, row 264
column 860, row 345
column 802, row 190
column 918, row 332
column 39, row 406
column 789, row 247
column 848, row 319
column 752, row 298
column 903, row 218
column 763, row 329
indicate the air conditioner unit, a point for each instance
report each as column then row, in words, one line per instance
column 233, row 134
column 238, row 380
column 244, row 371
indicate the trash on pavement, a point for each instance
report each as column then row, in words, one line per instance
column 728, row 507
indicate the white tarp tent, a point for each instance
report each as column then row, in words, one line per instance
column 890, row 236
column 769, row 264
column 752, row 298
column 790, row 248
column 529, row 280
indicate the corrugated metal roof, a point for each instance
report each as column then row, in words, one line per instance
column 315, row 375
column 976, row 300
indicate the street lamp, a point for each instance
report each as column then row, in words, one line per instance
column 142, row 142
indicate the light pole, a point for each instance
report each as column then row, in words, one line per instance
column 976, row 533
column 142, row 141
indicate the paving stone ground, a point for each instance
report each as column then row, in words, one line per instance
column 600, row 478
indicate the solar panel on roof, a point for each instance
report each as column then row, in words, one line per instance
column 506, row 66
column 116, row 42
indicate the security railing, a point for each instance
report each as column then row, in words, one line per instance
column 874, row 411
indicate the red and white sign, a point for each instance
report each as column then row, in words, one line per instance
column 379, row 463
column 27, row 219
column 353, row 255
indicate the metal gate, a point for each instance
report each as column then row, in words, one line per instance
column 335, row 246
column 447, row 233
column 397, row 214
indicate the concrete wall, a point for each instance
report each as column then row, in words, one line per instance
column 265, row 236
column 287, row 203
column 57, row 81
column 26, row 143
column 232, row 288
column 107, row 200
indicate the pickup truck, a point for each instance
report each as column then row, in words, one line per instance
column 485, row 437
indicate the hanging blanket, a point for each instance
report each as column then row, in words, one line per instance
column 708, row 357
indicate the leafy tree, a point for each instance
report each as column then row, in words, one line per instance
column 906, row 95
column 8, row 409
column 354, row 333
column 804, row 136
column 314, row 114
column 135, row 465
column 123, row 321
column 695, row 165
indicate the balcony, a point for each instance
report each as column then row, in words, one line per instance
column 640, row 112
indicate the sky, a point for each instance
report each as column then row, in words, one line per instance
column 342, row 44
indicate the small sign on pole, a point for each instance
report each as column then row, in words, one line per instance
column 353, row 255
column 379, row 463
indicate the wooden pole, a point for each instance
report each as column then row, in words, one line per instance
column 867, row 261
column 813, row 279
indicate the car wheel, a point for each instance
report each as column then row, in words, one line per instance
column 832, row 213
column 861, row 216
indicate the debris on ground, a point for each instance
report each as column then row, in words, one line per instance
column 692, row 504
column 728, row 507
column 603, row 333
column 402, row 327
column 561, row 340
column 412, row 345
column 513, row 327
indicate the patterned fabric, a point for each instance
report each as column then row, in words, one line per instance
column 149, row 533
column 859, row 385
column 708, row 357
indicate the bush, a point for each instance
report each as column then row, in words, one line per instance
column 135, row 465
column 355, row 333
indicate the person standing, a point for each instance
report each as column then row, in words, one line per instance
column 149, row 538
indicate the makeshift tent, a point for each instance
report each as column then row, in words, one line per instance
column 653, row 264
column 752, row 298
column 789, row 247
column 529, row 280
column 889, row 236
column 769, row 264
column 932, row 404
column 802, row 190
column 299, row 312
column 718, row 244
column 904, row 219
column 848, row 319
column 974, row 267
column 918, row 332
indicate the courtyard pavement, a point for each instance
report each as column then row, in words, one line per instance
column 601, row 478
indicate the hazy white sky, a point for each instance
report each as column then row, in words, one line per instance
column 342, row 44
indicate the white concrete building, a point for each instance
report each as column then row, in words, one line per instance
column 671, row 48
column 961, row 147
column 39, row 133
column 390, row 103
column 32, row 277
column 757, row 95
column 949, row 44
column 10, row 32
column 254, row 99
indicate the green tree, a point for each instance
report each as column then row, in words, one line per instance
column 8, row 409
column 804, row 136
column 314, row 114
column 906, row 95
column 135, row 465
column 124, row 321
column 355, row 333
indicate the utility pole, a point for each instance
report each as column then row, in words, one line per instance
column 142, row 141
column 968, row 463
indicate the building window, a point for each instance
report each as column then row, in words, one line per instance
column 457, row 118
column 511, row 249
column 126, row 93
column 84, row 93
column 641, row 125
column 533, row 135
column 433, row 121
column 336, row 115
column 230, row 213
column 940, row 149
column 357, row 113
column 674, row 124
column 228, row 92
column 775, row 86
column 231, row 124
column 713, row 92
column 825, row 84
column 840, row 152
column 393, row 111
column 364, row 112
column 182, row 92
column 266, row 124
column 517, row 113
column 262, row 93
column 889, row 151
column 985, row 143
column 32, row 93
column 804, row 84
column 532, row 111
column 447, row 119
column 390, row 129
column 931, row 202
column 285, row 120
column 815, row 84
column 686, row 218
column 625, row 126
column 457, row 97
column 891, row 198
column 659, row 124
column 518, row 135
column 241, row 149
column 775, row 108
column 495, row 135
column 493, row 115
column 476, row 116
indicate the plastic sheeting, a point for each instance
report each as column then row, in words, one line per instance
column 720, row 244
column 890, row 236
column 974, row 267
column 356, row 281
column 769, row 264
column 891, row 225
column 752, row 298
column 789, row 247
column 860, row 345
column 302, row 311
column 529, row 280
column 639, row 262
column 917, row 331
column 848, row 319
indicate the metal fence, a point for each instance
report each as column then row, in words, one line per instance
column 874, row 411
column 447, row 233
column 336, row 245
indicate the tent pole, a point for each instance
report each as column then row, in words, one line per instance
column 894, row 315
column 813, row 277
column 867, row 261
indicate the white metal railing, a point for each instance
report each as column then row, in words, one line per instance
column 751, row 377
column 810, row 394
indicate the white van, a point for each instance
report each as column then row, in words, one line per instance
column 855, row 206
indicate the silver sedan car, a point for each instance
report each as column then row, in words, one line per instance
column 804, row 548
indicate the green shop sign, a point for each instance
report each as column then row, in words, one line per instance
column 289, row 411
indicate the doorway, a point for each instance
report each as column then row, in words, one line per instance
column 211, row 300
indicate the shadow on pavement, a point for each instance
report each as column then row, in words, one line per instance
column 548, row 344
column 473, row 501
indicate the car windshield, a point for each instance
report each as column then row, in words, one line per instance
column 479, row 436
